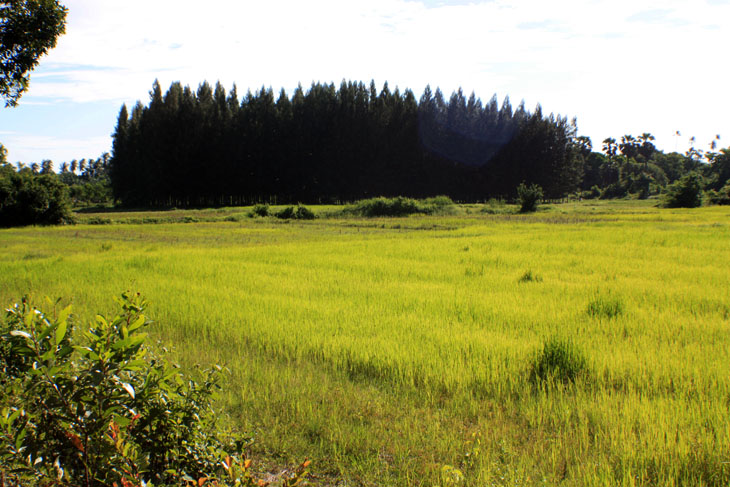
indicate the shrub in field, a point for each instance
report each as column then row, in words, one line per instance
column 401, row 206
column 438, row 204
column 300, row 213
column 606, row 306
column 528, row 197
column 685, row 193
column 260, row 210
column 559, row 360
column 97, row 408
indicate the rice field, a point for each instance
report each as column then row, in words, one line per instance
column 403, row 351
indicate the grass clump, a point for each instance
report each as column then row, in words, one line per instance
column 559, row 361
column 605, row 306
column 402, row 206
column 530, row 276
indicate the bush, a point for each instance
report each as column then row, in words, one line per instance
column 401, row 206
column 260, row 210
column 528, row 197
column 100, row 409
column 32, row 199
column 685, row 193
column 559, row 360
column 301, row 213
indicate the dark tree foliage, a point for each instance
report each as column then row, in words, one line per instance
column 328, row 144
column 27, row 198
column 719, row 169
column 28, row 29
column 685, row 193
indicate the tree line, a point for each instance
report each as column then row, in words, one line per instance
column 206, row 147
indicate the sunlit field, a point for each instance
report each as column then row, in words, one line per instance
column 403, row 351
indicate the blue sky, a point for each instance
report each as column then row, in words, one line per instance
column 620, row 66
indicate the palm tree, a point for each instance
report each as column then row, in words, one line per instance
column 610, row 147
column 647, row 147
column 64, row 167
column 73, row 166
column 629, row 146
column 35, row 167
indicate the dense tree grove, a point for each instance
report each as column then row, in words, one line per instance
column 30, row 198
column 207, row 147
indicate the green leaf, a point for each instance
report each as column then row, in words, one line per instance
column 19, row 438
column 137, row 324
column 64, row 351
column 102, row 322
column 61, row 331
column 130, row 342
column 121, row 420
column 47, row 331
column 64, row 313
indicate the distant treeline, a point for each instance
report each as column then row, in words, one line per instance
column 207, row 147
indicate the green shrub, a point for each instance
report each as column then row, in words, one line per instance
column 301, row 213
column 401, row 206
column 438, row 204
column 98, row 408
column 684, row 193
column 528, row 197
column 559, row 360
column 260, row 210
column 304, row 213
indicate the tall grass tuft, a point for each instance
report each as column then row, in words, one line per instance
column 559, row 360
column 605, row 306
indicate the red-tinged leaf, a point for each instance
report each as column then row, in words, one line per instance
column 75, row 440
column 247, row 464
column 201, row 481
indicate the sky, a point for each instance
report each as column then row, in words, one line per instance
column 619, row 66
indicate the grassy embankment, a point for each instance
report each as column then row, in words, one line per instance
column 388, row 348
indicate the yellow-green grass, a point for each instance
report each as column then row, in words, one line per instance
column 388, row 348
